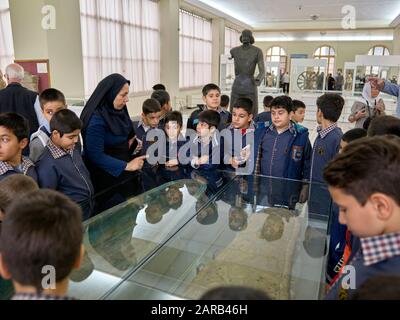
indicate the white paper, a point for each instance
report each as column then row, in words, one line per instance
column 42, row 68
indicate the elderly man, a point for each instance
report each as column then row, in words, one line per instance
column 387, row 87
column 16, row 98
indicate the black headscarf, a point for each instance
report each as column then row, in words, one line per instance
column 102, row 103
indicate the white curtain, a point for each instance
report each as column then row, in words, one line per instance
column 121, row 36
column 195, row 50
column 232, row 39
column 6, row 38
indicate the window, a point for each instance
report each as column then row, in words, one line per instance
column 277, row 54
column 121, row 36
column 376, row 51
column 232, row 39
column 326, row 53
column 195, row 50
column 6, row 38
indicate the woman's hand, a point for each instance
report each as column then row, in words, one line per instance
column 172, row 163
column 136, row 164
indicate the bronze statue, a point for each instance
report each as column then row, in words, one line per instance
column 247, row 57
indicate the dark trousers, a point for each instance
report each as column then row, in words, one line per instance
column 286, row 88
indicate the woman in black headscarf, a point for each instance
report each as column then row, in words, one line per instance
column 108, row 134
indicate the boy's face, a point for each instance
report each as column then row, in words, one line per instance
column 167, row 107
column 343, row 144
column 52, row 107
column 280, row 118
column 320, row 116
column 362, row 221
column 213, row 99
column 67, row 141
column 241, row 119
column 10, row 147
column 204, row 130
column 299, row 115
column 152, row 119
column 172, row 129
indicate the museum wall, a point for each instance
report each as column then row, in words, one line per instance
column 345, row 50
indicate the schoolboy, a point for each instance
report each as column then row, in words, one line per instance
column 151, row 114
column 384, row 125
column 299, row 111
column 61, row 166
column 174, row 138
column 248, row 132
column 51, row 101
column 208, row 146
column 363, row 181
column 225, row 102
column 164, row 100
column 285, row 147
column 212, row 100
column 14, row 135
column 44, row 228
column 12, row 187
column 265, row 116
column 350, row 136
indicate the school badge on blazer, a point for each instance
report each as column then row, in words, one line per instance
column 321, row 151
column 297, row 153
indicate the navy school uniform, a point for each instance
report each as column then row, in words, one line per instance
column 214, row 150
column 140, row 130
column 249, row 137
column 226, row 119
column 264, row 117
column 26, row 168
column 286, row 155
column 64, row 171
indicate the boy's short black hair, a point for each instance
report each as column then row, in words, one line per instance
column 15, row 123
column 244, row 103
column 51, row 95
column 235, row 293
column 209, row 87
column 385, row 287
column 331, row 106
column 211, row 117
column 267, row 101
column 367, row 123
column 367, row 166
column 159, row 87
column 225, row 101
column 297, row 104
column 174, row 116
column 15, row 185
column 151, row 106
column 162, row 97
column 384, row 125
column 44, row 228
column 354, row 134
column 282, row 102
column 65, row 122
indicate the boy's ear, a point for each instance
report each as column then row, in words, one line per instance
column 383, row 205
column 204, row 99
column 3, row 269
column 23, row 143
column 251, row 117
column 78, row 263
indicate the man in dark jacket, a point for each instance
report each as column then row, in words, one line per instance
column 15, row 98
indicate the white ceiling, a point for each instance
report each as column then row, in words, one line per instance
column 295, row 14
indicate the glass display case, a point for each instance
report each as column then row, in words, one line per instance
column 349, row 69
column 385, row 67
column 227, row 72
column 271, row 84
column 307, row 75
column 252, row 231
